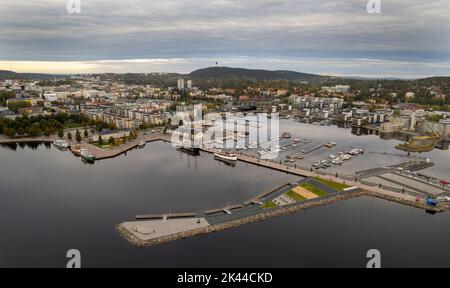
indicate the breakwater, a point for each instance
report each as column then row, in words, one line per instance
column 276, row 212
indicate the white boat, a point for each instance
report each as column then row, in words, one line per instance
column 354, row 152
column 61, row 144
column 225, row 156
column 346, row 157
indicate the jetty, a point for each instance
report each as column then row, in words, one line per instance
column 101, row 154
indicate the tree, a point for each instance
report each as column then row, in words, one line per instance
column 111, row 141
column 60, row 133
column 100, row 140
column 47, row 132
column 34, row 131
column 124, row 139
column 54, row 123
column 16, row 105
column 20, row 131
column 10, row 132
column 78, row 136
column 133, row 135
column 86, row 133
column 180, row 123
column 69, row 136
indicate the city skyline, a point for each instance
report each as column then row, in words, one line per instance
column 409, row 39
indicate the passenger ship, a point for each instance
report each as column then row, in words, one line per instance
column 225, row 156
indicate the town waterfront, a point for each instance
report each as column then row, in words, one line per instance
column 59, row 203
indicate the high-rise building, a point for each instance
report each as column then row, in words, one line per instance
column 180, row 84
column 189, row 84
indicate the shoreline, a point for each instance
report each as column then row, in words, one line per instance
column 272, row 213
column 50, row 139
column 101, row 154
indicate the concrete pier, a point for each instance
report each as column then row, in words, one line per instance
column 145, row 236
column 154, row 230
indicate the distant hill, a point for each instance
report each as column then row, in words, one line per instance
column 6, row 74
column 227, row 73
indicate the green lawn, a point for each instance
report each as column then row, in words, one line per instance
column 71, row 125
column 269, row 205
column 294, row 196
column 333, row 185
column 319, row 192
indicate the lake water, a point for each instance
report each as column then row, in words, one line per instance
column 51, row 202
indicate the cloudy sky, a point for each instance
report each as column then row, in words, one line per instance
column 410, row 38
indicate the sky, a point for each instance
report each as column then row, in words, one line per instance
column 408, row 39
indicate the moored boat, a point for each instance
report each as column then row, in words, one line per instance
column 88, row 156
column 225, row 156
column 76, row 149
column 286, row 135
column 61, row 144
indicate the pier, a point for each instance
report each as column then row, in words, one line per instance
column 159, row 231
column 101, row 154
